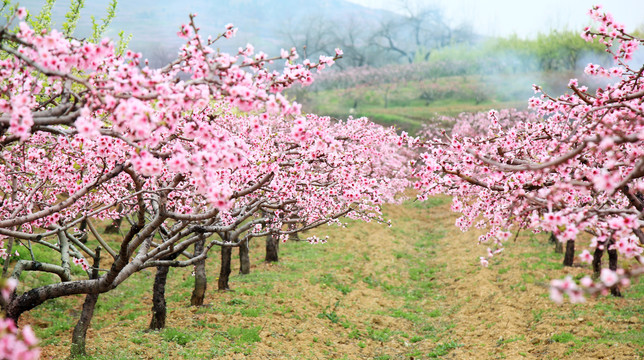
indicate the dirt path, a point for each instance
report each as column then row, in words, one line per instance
column 504, row 312
column 413, row 291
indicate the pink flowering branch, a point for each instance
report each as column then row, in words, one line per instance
column 573, row 165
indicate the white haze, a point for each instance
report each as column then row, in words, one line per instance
column 520, row 17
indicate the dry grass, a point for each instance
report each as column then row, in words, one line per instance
column 411, row 291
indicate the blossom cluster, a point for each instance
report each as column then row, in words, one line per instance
column 206, row 146
column 118, row 111
column 16, row 344
column 572, row 165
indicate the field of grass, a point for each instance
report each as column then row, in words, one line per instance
column 410, row 104
column 415, row 290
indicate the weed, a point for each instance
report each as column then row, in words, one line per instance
column 331, row 315
column 444, row 349
column 382, row 335
column 563, row 337
column 177, row 336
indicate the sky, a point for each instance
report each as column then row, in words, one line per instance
column 524, row 18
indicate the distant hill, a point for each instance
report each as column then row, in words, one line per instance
column 263, row 23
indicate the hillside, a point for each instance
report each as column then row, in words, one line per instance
column 264, row 23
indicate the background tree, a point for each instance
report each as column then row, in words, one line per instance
column 576, row 167
column 419, row 31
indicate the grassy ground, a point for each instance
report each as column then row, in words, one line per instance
column 411, row 291
column 410, row 104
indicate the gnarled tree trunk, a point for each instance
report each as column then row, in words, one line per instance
column 612, row 264
column 558, row 244
column 597, row 261
column 201, row 282
column 244, row 258
column 224, row 274
column 18, row 304
column 159, row 310
column 79, row 336
column 272, row 248
column 569, row 257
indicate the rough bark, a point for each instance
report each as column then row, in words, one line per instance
column 158, row 299
column 612, row 264
column 34, row 297
column 558, row 244
column 159, row 311
column 201, row 282
column 272, row 248
column 597, row 261
column 294, row 236
column 79, row 336
column 7, row 261
column 244, row 258
column 224, row 274
column 569, row 257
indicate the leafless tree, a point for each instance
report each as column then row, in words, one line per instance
column 417, row 32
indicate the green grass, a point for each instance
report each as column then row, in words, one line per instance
column 180, row 337
column 330, row 281
column 429, row 203
column 412, row 276
column 242, row 339
column 406, row 106
column 382, row 335
column 444, row 349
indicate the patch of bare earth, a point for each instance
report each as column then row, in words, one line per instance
column 485, row 313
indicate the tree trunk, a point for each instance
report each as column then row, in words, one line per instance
column 597, row 261
column 294, row 236
column 158, row 295
column 7, row 260
column 158, row 299
column 224, row 274
column 612, row 264
column 9, row 248
column 79, row 336
column 272, row 248
column 201, row 282
column 34, row 297
column 569, row 257
column 244, row 258
column 558, row 244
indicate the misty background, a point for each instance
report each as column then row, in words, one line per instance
column 405, row 62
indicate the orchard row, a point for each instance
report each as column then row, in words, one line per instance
column 207, row 153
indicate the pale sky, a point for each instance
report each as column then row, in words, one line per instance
column 504, row 17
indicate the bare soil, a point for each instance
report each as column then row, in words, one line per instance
column 359, row 310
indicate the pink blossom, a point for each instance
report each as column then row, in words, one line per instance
column 484, row 262
column 556, row 295
column 586, row 257
column 608, row 277
column 21, row 12
column 8, row 288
